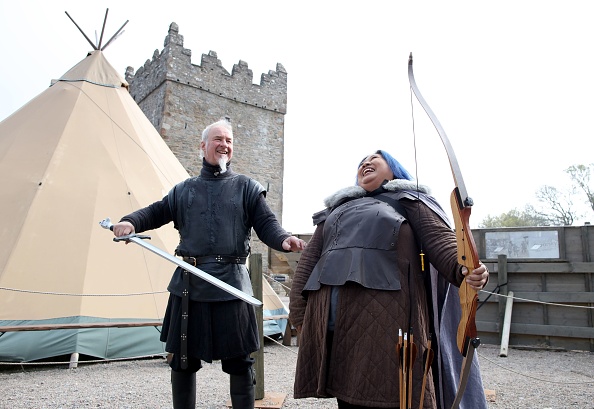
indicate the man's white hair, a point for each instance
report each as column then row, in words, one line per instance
column 224, row 122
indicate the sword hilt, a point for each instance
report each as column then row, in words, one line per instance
column 107, row 224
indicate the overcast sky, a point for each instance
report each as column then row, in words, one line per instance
column 510, row 81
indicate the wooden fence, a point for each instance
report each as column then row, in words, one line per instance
column 550, row 271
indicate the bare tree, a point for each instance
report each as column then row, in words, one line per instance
column 559, row 205
column 516, row 218
column 580, row 176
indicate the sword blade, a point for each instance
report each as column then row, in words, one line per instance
column 197, row 272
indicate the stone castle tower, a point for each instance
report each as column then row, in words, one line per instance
column 181, row 99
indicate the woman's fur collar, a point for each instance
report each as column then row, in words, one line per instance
column 355, row 192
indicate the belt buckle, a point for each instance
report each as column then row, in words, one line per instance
column 193, row 259
column 219, row 258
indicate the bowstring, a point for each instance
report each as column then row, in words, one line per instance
column 412, row 113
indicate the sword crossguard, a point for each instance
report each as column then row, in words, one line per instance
column 127, row 237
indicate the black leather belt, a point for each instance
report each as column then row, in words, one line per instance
column 194, row 261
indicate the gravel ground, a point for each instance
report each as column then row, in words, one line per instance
column 525, row 379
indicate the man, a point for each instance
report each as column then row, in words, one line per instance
column 214, row 214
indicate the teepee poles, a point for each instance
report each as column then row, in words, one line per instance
column 82, row 32
column 98, row 46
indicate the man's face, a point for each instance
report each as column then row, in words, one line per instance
column 372, row 172
column 219, row 144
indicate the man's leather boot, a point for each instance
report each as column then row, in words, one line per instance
column 242, row 390
column 183, row 389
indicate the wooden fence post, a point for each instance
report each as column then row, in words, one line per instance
column 256, row 276
column 73, row 361
column 588, row 276
column 503, row 289
column 506, row 325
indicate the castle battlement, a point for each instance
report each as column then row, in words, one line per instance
column 174, row 63
column 181, row 99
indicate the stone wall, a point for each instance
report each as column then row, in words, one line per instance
column 181, row 99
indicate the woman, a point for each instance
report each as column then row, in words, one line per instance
column 360, row 283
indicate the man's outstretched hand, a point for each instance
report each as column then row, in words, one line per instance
column 292, row 243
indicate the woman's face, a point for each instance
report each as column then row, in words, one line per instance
column 372, row 172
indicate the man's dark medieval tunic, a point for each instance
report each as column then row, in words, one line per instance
column 214, row 214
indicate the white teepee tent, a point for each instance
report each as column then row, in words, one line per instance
column 82, row 150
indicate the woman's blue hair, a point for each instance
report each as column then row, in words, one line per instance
column 397, row 169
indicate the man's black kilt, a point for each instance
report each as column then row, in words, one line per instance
column 216, row 330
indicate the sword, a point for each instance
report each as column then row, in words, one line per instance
column 138, row 239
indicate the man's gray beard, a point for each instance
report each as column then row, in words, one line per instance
column 223, row 163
